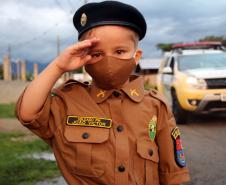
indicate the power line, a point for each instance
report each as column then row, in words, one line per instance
column 37, row 37
column 28, row 42
column 58, row 4
column 70, row 4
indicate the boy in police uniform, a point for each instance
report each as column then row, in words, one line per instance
column 111, row 131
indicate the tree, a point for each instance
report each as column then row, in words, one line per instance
column 165, row 46
column 221, row 39
column 168, row 46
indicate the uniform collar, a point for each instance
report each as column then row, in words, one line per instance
column 134, row 89
column 98, row 94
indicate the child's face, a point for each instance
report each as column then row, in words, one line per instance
column 116, row 41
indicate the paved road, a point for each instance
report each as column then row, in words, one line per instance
column 205, row 142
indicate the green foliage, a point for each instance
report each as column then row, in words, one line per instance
column 15, row 168
column 168, row 46
column 7, row 110
column 221, row 39
column 165, row 46
column 29, row 76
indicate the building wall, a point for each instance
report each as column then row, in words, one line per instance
column 11, row 90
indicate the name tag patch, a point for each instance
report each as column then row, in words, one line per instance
column 89, row 121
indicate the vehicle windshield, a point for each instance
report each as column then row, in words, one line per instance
column 202, row 61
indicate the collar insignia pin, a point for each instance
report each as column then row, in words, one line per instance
column 133, row 92
column 101, row 93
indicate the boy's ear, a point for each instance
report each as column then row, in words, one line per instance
column 138, row 55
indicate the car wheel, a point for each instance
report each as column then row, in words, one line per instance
column 180, row 114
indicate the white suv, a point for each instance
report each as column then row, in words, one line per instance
column 193, row 78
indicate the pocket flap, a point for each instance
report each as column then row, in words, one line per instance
column 86, row 134
column 148, row 150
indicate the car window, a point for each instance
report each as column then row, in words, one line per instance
column 202, row 61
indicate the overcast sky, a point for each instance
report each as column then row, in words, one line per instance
column 31, row 27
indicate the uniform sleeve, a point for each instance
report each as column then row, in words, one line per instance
column 43, row 123
column 170, row 172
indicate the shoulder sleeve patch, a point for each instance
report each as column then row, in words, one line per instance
column 178, row 148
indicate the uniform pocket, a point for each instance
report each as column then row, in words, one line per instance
column 147, row 163
column 85, row 150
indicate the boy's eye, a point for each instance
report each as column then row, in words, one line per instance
column 97, row 54
column 120, row 52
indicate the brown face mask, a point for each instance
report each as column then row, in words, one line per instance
column 111, row 72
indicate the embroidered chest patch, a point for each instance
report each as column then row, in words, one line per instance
column 179, row 151
column 89, row 121
column 152, row 128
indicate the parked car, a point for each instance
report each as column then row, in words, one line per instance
column 193, row 78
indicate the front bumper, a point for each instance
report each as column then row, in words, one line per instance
column 212, row 102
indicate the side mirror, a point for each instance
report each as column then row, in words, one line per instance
column 167, row 70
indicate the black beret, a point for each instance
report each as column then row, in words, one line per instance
column 109, row 13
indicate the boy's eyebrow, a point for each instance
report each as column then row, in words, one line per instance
column 96, row 49
column 121, row 46
column 93, row 49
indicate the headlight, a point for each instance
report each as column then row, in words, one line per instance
column 196, row 83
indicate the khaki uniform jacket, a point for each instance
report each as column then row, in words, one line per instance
column 103, row 137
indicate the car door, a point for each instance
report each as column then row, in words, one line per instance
column 167, row 77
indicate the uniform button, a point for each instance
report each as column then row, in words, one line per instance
column 116, row 93
column 121, row 168
column 85, row 135
column 120, row 128
column 150, row 152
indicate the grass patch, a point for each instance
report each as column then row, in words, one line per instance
column 7, row 110
column 17, row 170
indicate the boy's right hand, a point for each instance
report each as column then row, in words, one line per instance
column 75, row 56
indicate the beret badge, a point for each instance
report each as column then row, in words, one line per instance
column 83, row 19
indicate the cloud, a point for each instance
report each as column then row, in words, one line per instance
column 31, row 27
column 32, row 31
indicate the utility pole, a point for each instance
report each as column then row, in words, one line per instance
column 63, row 77
column 58, row 45
column 7, row 72
column 9, row 51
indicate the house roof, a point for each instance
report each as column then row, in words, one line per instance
column 150, row 63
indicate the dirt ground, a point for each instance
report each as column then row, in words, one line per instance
column 8, row 125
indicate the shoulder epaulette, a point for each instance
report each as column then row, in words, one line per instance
column 154, row 93
column 72, row 82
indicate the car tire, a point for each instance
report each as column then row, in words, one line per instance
column 181, row 116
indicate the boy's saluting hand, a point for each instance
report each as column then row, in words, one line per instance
column 71, row 58
column 75, row 56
